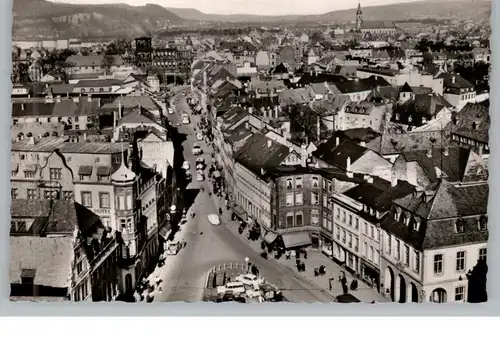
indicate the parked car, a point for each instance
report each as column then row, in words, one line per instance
column 200, row 177
column 249, row 279
column 214, row 219
column 199, row 137
column 253, row 291
column 185, row 165
column 197, row 149
column 235, row 288
column 170, row 110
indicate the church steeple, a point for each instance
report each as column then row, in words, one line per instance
column 359, row 18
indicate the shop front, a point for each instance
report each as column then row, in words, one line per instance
column 370, row 274
column 326, row 245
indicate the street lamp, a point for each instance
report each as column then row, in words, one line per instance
column 246, row 262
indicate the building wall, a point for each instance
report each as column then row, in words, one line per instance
column 449, row 279
column 157, row 153
column 253, row 194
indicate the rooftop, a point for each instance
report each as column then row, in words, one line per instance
column 50, row 144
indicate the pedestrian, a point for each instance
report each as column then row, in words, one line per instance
column 330, row 283
column 305, row 254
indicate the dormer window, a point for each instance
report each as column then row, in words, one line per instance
column 460, row 226
column 289, row 183
column 405, row 219
column 483, row 223
column 396, row 215
column 416, row 225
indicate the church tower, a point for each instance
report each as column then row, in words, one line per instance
column 359, row 18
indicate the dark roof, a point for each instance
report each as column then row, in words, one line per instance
column 66, row 107
column 458, row 82
column 473, row 122
column 88, row 221
column 406, row 88
column 361, row 85
column 309, row 78
column 453, row 165
column 56, row 216
column 439, row 213
column 260, row 152
column 337, row 155
column 232, row 116
column 421, row 107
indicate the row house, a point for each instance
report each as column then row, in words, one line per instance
column 79, row 65
column 253, row 184
column 60, row 251
column 362, row 114
column 75, row 114
column 458, row 91
column 470, row 127
column 429, row 248
column 413, row 77
column 358, row 89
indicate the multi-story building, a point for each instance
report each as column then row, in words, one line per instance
column 458, row 91
column 60, row 251
column 429, row 246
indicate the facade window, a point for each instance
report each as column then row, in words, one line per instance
column 314, row 198
column 67, row 195
column 344, row 236
column 325, row 200
column 79, row 267
column 87, row 199
column 338, row 213
column 299, row 219
column 372, row 231
column 407, row 255
column 438, row 264
column 315, row 182
column 389, row 244
column 356, row 223
column 298, row 182
column 330, row 225
column 289, row 220
column 289, row 183
column 31, row 194
column 376, row 257
column 350, row 241
column 398, row 250
column 13, row 194
column 55, row 173
column 337, row 230
column 344, row 216
column 104, row 200
column 299, row 200
column 350, row 220
column 461, row 261
column 350, row 260
column 482, row 253
column 416, row 262
column 289, row 199
column 460, row 293
column 460, row 226
column 314, row 217
column 378, row 235
column 129, row 224
column 29, row 174
column 356, row 243
column 123, row 224
column 364, row 248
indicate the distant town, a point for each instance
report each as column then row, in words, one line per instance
column 308, row 162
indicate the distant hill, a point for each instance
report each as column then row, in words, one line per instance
column 43, row 18
column 433, row 9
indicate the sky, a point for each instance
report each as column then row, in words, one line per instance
column 258, row 7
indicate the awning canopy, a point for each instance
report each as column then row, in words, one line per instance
column 85, row 170
column 296, row 239
column 238, row 210
column 270, row 237
column 164, row 233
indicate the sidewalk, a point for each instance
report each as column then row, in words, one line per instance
column 315, row 258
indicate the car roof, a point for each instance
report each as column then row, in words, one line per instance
column 234, row 284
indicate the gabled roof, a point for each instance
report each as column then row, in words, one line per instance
column 473, row 122
column 456, row 81
column 337, row 155
column 406, row 88
column 361, row 85
column 259, row 153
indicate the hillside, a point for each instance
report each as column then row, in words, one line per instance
column 437, row 9
column 34, row 18
column 41, row 18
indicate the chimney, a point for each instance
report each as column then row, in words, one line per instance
column 362, row 143
column 348, row 165
column 429, row 152
column 394, row 180
column 318, row 128
column 262, row 171
column 58, row 98
column 276, row 111
column 269, row 143
column 247, row 125
column 85, row 136
column 337, row 141
column 90, row 97
column 370, row 179
column 453, row 79
column 303, row 155
column 250, row 110
column 378, row 89
column 115, row 113
column 22, row 106
column 446, row 151
column 31, row 140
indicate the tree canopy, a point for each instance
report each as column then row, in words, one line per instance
column 304, row 123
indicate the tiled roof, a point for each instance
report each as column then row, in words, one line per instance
column 460, row 82
column 66, row 107
column 337, row 155
column 260, row 152
column 293, row 96
column 50, row 258
column 50, row 144
column 421, row 107
column 309, row 78
column 361, row 85
column 331, row 104
column 237, row 134
column 378, row 25
column 60, row 217
column 92, row 60
column 473, row 121
column 232, row 116
column 440, row 212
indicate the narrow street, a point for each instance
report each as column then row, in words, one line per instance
column 183, row 276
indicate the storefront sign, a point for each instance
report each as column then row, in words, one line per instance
column 105, row 212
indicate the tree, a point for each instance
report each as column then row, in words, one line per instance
column 316, row 37
column 119, row 47
column 304, row 123
column 423, row 45
column 476, row 290
column 107, row 62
